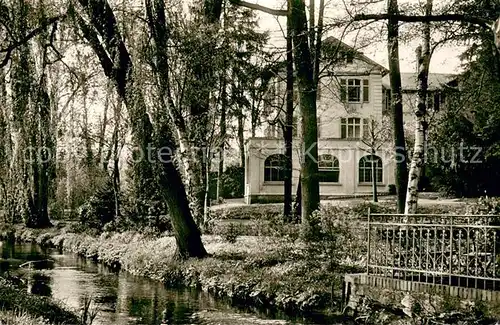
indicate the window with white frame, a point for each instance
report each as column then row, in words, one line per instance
column 366, row 91
column 353, row 90
column 367, row 166
column 350, row 128
column 354, row 127
column 275, row 168
column 328, row 168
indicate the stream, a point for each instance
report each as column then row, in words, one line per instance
column 121, row 298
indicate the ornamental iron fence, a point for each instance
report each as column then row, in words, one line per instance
column 457, row 250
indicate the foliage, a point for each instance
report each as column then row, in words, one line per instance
column 99, row 209
column 233, row 180
column 231, row 233
column 141, row 213
column 19, row 318
column 464, row 155
column 278, row 270
column 248, row 212
column 336, row 235
column 485, row 205
column 12, row 298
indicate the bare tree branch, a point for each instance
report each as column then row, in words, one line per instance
column 8, row 50
column 432, row 18
column 271, row 11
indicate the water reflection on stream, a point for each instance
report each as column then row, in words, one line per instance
column 120, row 297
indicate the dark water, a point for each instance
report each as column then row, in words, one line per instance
column 121, row 298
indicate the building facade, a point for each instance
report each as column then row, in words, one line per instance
column 354, row 137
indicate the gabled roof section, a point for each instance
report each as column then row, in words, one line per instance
column 409, row 81
column 332, row 41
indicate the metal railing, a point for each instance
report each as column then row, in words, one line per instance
column 458, row 250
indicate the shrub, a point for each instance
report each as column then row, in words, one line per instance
column 485, row 205
column 233, row 180
column 361, row 209
column 336, row 234
column 249, row 212
column 231, row 233
column 99, row 209
column 139, row 213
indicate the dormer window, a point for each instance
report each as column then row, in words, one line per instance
column 349, row 58
column 346, row 57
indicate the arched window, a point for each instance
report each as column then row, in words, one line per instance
column 274, row 168
column 366, row 171
column 328, row 168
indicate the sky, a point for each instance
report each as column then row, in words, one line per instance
column 444, row 60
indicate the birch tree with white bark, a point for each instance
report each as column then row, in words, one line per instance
column 417, row 162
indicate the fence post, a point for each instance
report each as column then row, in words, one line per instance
column 368, row 248
column 451, row 251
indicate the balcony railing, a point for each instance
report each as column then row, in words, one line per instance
column 457, row 250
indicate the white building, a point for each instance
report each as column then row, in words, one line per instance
column 351, row 104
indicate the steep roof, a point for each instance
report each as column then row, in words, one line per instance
column 409, row 81
column 358, row 54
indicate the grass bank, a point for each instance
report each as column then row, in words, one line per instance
column 258, row 271
column 279, row 272
column 13, row 318
column 19, row 307
column 263, row 263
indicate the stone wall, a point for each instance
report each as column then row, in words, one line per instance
column 417, row 298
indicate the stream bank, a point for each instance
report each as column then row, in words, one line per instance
column 18, row 306
column 266, row 273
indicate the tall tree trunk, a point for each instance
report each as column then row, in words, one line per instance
column 417, row 162
column 241, row 138
column 31, row 119
column 288, row 128
column 102, row 132
column 116, row 155
column 315, row 39
column 397, row 105
column 297, row 207
column 317, row 44
column 42, row 139
column 312, row 18
column 42, row 175
column 304, row 65
column 254, row 114
column 89, row 155
column 222, row 139
column 374, row 178
column 21, row 76
column 119, row 67
column 4, row 149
